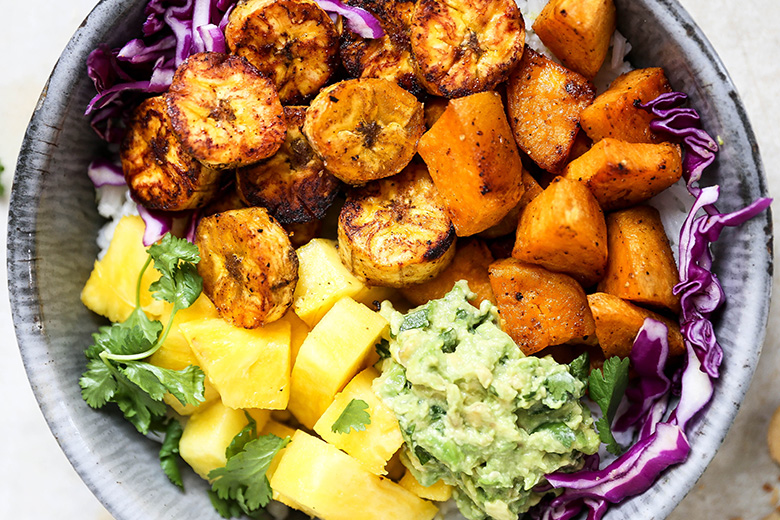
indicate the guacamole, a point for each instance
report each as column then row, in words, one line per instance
column 477, row 413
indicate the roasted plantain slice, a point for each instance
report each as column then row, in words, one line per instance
column 224, row 112
column 293, row 42
column 394, row 232
column 248, row 266
column 379, row 58
column 461, row 47
column 364, row 129
column 161, row 175
column 292, row 184
column 388, row 57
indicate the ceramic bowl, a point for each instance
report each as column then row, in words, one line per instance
column 51, row 249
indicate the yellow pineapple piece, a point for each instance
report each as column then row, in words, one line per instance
column 281, row 431
column 374, row 446
column 322, row 481
column 333, row 352
column 175, row 353
column 208, row 433
column 298, row 332
column 250, row 368
column 438, row 492
column 111, row 287
column 323, row 280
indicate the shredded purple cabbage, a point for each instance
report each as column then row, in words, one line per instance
column 105, row 173
column 648, row 357
column 157, row 224
column 358, row 20
column 661, row 444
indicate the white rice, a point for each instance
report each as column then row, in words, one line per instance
column 113, row 203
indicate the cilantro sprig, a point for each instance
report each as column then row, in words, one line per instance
column 115, row 371
column 241, row 486
column 355, row 416
column 607, row 387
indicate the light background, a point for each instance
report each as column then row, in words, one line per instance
column 36, row 480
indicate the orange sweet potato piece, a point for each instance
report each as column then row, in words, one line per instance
column 622, row 174
column 578, row 32
column 474, row 162
column 544, row 102
column 618, row 322
column 540, row 308
column 563, row 230
column 641, row 266
column 616, row 112
column 471, row 262
column 508, row 224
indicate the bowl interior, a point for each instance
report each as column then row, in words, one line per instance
column 51, row 249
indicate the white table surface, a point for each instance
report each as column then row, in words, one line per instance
column 37, row 481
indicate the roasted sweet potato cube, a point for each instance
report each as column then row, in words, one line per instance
column 540, row 308
column 544, row 102
column 641, row 266
column 474, row 162
column 622, row 174
column 578, row 32
column 563, row 230
column 618, row 322
column 616, row 112
column 471, row 262
column 508, row 224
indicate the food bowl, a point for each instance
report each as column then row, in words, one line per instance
column 51, row 249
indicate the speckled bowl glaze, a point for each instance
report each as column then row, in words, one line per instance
column 51, row 249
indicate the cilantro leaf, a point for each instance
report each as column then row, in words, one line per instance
column 579, row 367
column 416, row 320
column 243, row 477
column 186, row 385
column 181, row 288
column 137, row 406
column 607, row 387
column 169, row 452
column 248, row 433
column 383, row 349
column 354, row 416
column 170, row 251
column 98, row 385
column 135, row 335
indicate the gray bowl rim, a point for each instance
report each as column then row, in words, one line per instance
column 22, row 259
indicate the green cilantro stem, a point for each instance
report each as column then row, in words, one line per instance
column 140, row 279
column 142, row 355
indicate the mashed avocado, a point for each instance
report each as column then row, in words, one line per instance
column 477, row 413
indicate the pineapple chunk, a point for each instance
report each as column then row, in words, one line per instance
column 375, row 445
column 110, row 289
column 280, row 430
column 438, row 492
column 175, row 353
column 333, row 352
column 322, row 481
column 323, row 280
column 298, row 332
column 250, row 368
column 209, row 432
